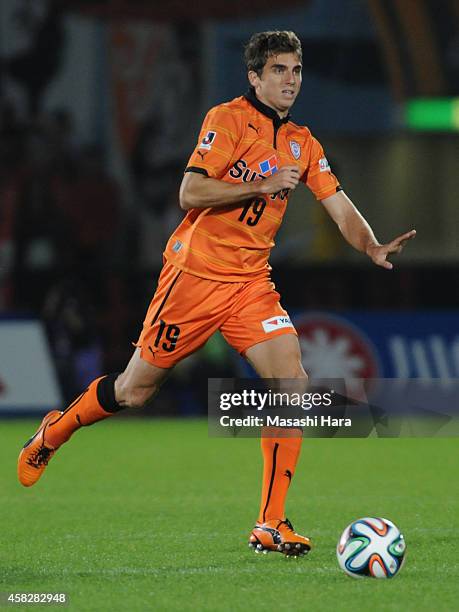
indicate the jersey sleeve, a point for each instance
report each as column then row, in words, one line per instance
column 319, row 177
column 218, row 139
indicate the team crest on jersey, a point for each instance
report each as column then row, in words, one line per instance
column 269, row 166
column 295, row 149
column 324, row 166
column 206, row 142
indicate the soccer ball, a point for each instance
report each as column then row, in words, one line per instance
column 371, row 547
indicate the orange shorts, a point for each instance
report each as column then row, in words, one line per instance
column 186, row 310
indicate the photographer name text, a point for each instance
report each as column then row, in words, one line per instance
column 277, row 421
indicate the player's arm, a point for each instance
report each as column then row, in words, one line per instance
column 358, row 232
column 200, row 191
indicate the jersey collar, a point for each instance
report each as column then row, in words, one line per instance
column 264, row 109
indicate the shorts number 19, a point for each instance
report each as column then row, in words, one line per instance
column 172, row 335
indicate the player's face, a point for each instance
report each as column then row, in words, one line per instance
column 279, row 83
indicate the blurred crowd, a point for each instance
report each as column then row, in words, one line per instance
column 60, row 232
column 60, row 209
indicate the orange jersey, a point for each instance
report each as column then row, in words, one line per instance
column 244, row 140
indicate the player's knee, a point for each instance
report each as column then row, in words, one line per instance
column 299, row 372
column 292, row 369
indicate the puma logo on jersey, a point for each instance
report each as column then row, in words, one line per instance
column 257, row 130
column 202, row 154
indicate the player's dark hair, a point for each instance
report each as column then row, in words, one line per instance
column 263, row 45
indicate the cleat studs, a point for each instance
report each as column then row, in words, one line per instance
column 265, row 551
column 287, row 546
column 260, row 546
column 298, row 545
column 279, row 547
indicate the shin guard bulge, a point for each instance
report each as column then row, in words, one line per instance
column 280, row 456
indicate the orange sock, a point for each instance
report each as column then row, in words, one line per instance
column 280, row 455
column 97, row 402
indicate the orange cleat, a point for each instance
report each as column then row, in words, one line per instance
column 36, row 454
column 279, row 536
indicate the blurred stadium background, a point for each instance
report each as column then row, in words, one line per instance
column 100, row 105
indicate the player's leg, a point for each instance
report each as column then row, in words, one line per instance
column 105, row 396
column 278, row 358
column 261, row 330
column 101, row 400
column 184, row 312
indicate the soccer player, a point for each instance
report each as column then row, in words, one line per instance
column 248, row 158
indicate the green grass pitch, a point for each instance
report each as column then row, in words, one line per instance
column 140, row 514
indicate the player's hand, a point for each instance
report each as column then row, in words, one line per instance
column 286, row 177
column 379, row 253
